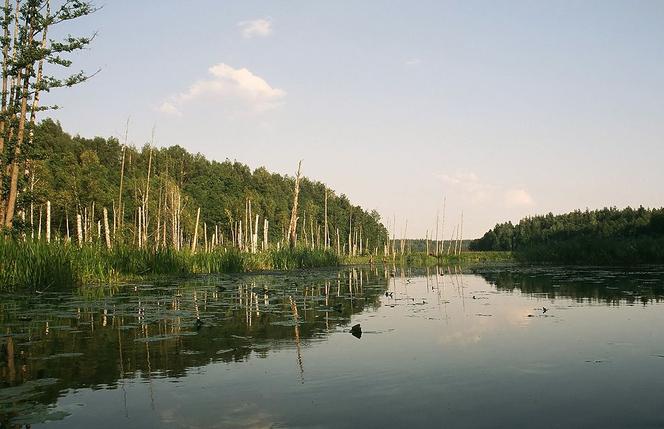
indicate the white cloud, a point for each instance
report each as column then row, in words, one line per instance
column 479, row 192
column 470, row 184
column 413, row 62
column 169, row 109
column 518, row 197
column 229, row 87
column 459, row 178
column 255, row 28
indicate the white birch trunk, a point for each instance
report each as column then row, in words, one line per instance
column 48, row 221
column 79, row 229
column 194, row 242
column 107, row 232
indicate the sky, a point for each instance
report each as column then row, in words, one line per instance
column 499, row 110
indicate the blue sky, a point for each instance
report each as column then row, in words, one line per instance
column 506, row 109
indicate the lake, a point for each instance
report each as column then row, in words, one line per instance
column 477, row 347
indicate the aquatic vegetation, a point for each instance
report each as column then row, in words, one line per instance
column 35, row 265
column 422, row 259
column 286, row 259
column 39, row 265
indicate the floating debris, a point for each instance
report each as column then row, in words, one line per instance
column 356, row 331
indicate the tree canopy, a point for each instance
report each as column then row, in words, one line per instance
column 28, row 54
column 609, row 234
column 73, row 172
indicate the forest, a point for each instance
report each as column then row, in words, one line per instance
column 82, row 176
column 100, row 210
column 605, row 236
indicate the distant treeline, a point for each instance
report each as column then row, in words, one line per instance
column 603, row 236
column 81, row 176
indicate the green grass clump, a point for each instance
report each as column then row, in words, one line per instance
column 422, row 259
column 219, row 261
column 35, row 265
column 287, row 259
column 39, row 265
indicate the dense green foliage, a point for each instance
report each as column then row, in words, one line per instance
column 599, row 236
column 30, row 56
column 39, row 265
column 74, row 172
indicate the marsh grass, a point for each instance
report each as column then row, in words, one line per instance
column 38, row 265
column 286, row 259
column 421, row 259
column 35, row 265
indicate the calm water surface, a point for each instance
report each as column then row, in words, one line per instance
column 439, row 348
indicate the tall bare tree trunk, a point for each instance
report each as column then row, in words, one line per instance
column 92, row 221
column 292, row 228
column 146, row 199
column 205, row 240
column 107, row 232
column 174, row 227
column 311, row 230
column 338, row 243
column 39, row 228
column 194, row 242
column 32, row 207
column 436, row 246
column 48, row 221
column 254, row 238
column 240, row 243
column 139, row 228
column 79, row 230
column 442, row 227
column 461, row 234
column 122, row 169
column 266, row 225
column 157, row 240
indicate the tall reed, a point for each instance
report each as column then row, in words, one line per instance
column 39, row 265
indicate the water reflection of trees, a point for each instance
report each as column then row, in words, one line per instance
column 611, row 286
column 99, row 339
column 102, row 337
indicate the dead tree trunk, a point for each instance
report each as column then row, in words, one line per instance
column 107, row 232
column 48, row 221
column 326, row 232
column 266, row 225
column 292, row 228
column 461, row 234
column 195, row 240
column 79, row 230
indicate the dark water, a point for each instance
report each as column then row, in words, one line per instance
column 454, row 349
